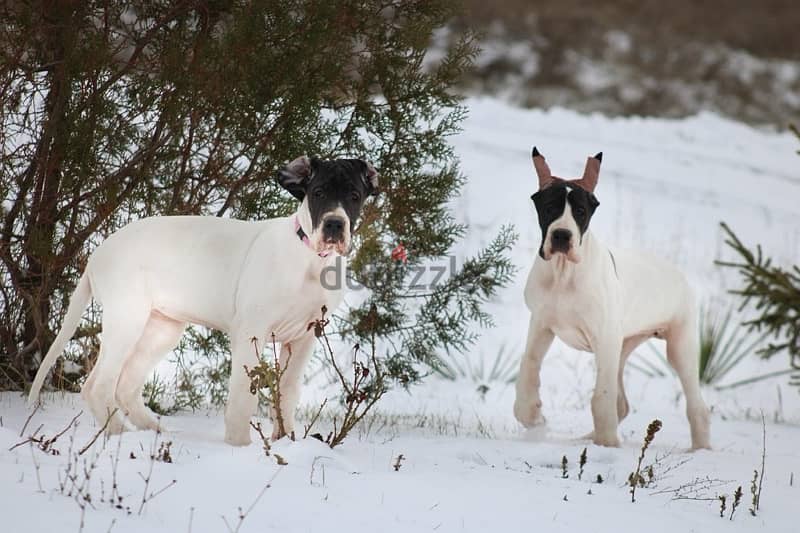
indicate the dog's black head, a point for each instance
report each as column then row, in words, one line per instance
column 334, row 192
column 564, row 208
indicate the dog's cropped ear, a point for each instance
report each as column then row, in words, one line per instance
column 295, row 176
column 591, row 173
column 542, row 170
column 370, row 177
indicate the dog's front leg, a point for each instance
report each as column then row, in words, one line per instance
column 528, row 404
column 293, row 359
column 241, row 403
column 604, row 399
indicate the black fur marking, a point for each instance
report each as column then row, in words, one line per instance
column 599, row 156
column 583, row 204
column 330, row 184
column 614, row 262
column 535, row 152
column 551, row 201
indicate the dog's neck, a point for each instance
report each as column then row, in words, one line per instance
column 303, row 216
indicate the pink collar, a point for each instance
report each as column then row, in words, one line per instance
column 304, row 237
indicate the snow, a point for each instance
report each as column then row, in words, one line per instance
column 664, row 187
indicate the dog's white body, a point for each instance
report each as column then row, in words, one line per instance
column 604, row 302
column 156, row 275
column 609, row 306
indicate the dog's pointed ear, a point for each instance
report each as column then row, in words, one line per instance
column 295, row 176
column 370, row 177
column 542, row 170
column 591, row 173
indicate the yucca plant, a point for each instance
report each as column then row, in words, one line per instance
column 458, row 366
column 723, row 345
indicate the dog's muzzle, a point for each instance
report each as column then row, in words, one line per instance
column 560, row 241
column 333, row 230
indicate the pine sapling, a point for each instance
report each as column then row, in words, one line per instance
column 722, row 500
column 581, row 463
column 564, row 464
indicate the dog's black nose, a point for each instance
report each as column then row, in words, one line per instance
column 333, row 227
column 560, row 240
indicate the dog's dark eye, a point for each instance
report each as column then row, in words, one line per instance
column 319, row 193
column 355, row 196
column 580, row 211
column 553, row 210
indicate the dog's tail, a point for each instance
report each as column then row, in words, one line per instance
column 77, row 304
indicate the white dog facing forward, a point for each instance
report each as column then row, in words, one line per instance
column 604, row 302
column 248, row 279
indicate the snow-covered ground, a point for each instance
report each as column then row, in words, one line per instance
column 467, row 466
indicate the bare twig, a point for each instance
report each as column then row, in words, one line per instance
column 763, row 460
column 99, row 432
column 43, row 443
column 264, row 440
column 243, row 514
column 698, row 489
column 314, row 419
column 27, row 420
column 36, row 465
column 360, row 394
column 155, row 452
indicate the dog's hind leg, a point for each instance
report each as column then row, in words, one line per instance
column 161, row 335
column 683, row 352
column 123, row 324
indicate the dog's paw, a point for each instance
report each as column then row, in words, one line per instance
column 529, row 414
column 238, row 438
column 610, row 440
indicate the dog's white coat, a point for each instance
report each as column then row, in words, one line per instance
column 156, row 275
column 591, row 305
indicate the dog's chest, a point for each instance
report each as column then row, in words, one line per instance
column 302, row 312
column 570, row 316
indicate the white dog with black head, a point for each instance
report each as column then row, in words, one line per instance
column 248, row 279
column 604, row 302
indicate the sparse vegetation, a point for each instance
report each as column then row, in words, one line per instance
column 636, row 478
column 737, row 498
column 474, row 366
column 265, row 379
column 581, row 463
